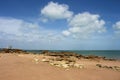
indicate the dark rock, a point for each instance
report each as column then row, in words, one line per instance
column 117, row 68
column 58, row 59
column 65, row 54
column 106, row 67
column 110, row 67
column 5, row 50
column 99, row 65
column 94, row 57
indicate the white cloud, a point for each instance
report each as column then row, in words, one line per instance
column 17, row 27
column 5, row 25
column 56, row 11
column 116, row 26
column 20, row 30
column 66, row 33
column 85, row 24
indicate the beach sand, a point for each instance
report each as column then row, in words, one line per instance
column 23, row 67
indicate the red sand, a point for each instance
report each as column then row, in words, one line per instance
column 22, row 67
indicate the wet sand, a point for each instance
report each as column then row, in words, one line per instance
column 23, row 67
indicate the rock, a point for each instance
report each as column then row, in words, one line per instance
column 65, row 66
column 117, row 68
column 6, row 50
column 93, row 57
column 51, row 63
column 71, row 64
column 36, row 60
column 54, row 63
column 79, row 66
column 99, row 65
column 110, row 67
column 44, row 52
column 58, row 59
column 105, row 67
column 58, row 65
column 67, row 55
column 45, row 60
column 111, row 59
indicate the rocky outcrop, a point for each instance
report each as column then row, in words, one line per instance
column 68, row 59
column 63, row 62
column 6, row 50
column 61, row 54
column 94, row 57
column 66, row 55
column 117, row 68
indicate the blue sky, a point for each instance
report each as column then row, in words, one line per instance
column 60, row 24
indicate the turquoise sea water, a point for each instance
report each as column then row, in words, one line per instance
column 115, row 54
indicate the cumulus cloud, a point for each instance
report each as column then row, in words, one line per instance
column 56, row 11
column 20, row 30
column 16, row 26
column 66, row 33
column 85, row 24
column 116, row 28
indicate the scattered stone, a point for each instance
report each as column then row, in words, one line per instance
column 36, row 60
column 99, row 65
column 65, row 66
column 52, row 64
column 68, row 55
column 58, row 59
column 7, row 50
column 109, row 67
column 45, row 60
column 117, row 68
column 79, row 66
column 105, row 67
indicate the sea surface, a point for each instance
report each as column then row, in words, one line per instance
column 113, row 54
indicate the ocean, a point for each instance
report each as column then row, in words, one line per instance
column 114, row 54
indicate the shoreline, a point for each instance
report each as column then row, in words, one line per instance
column 92, row 55
column 104, row 53
column 20, row 65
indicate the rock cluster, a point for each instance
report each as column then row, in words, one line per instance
column 61, row 54
column 108, row 67
column 78, row 56
column 64, row 63
column 6, row 50
column 68, row 59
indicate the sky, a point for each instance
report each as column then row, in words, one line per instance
column 60, row 24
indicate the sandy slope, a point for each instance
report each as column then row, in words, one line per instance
column 23, row 67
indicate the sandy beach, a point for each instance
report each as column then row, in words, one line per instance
column 24, row 67
column 59, row 39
